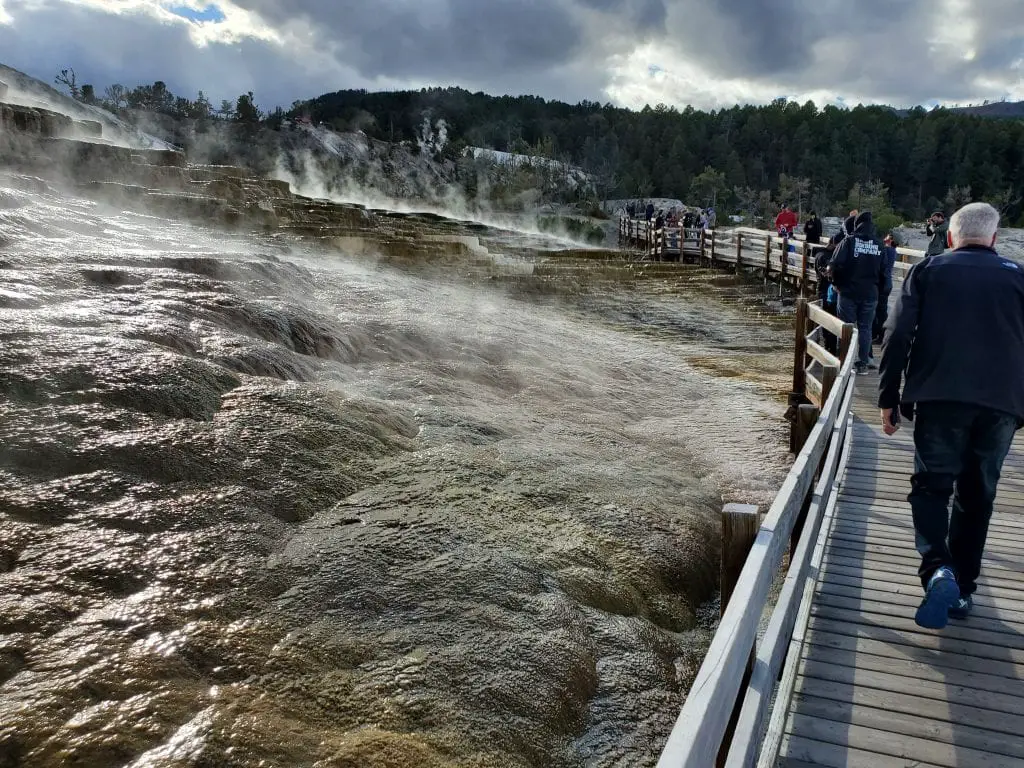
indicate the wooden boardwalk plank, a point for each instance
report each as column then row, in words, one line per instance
column 894, row 648
column 873, row 688
column 899, row 745
column 955, row 734
column 856, row 655
column 909, row 600
column 836, row 563
column 799, row 751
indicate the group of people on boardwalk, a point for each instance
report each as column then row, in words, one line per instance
column 686, row 218
column 952, row 361
column 854, row 272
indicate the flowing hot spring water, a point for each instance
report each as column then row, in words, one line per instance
column 267, row 505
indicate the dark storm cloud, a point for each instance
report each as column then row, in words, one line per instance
column 132, row 49
column 443, row 40
column 642, row 14
column 764, row 38
column 886, row 50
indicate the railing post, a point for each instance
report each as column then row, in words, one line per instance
column 784, row 261
column 768, row 258
column 803, row 270
column 806, row 417
column 739, row 251
column 845, row 341
column 829, row 374
column 798, row 395
column 703, row 242
column 740, row 524
column 712, row 249
column 800, row 351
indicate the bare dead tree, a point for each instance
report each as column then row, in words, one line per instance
column 67, row 78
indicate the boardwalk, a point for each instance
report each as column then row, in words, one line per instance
column 872, row 688
column 832, row 670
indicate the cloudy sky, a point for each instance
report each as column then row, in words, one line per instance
column 708, row 53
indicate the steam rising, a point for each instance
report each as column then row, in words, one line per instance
column 297, row 509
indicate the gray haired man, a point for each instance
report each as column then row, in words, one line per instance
column 958, row 331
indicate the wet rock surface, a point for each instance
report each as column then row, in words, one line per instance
column 411, row 498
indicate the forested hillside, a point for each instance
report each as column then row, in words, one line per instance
column 745, row 159
column 739, row 158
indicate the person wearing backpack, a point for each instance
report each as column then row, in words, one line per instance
column 857, row 270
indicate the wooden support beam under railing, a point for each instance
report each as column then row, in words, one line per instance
column 814, row 389
column 819, row 353
column 826, row 320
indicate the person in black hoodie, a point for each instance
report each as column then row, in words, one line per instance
column 858, row 273
column 826, row 291
column 957, row 330
column 812, row 229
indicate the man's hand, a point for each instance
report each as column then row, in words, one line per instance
column 890, row 422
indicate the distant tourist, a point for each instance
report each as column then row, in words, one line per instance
column 937, row 230
column 813, row 228
column 787, row 220
column 631, row 210
column 882, row 312
column 659, row 220
column 712, row 218
column 650, row 211
column 958, row 331
column 857, row 271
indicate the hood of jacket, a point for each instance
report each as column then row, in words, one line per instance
column 864, row 226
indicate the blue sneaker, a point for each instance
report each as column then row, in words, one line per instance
column 962, row 608
column 942, row 594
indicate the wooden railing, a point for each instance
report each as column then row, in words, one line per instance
column 725, row 718
column 790, row 260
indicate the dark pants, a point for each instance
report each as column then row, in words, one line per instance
column 862, row 314
column 960, row 450
column 881, row 315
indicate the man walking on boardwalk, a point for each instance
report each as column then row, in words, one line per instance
column 958, row 331
column 858, row 273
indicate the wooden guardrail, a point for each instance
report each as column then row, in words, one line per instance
column 726, row 714
column 789, row 260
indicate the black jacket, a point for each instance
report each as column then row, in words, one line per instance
column 889, row 257
column 812, row 231
column 858, row 264
column 958, row 331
